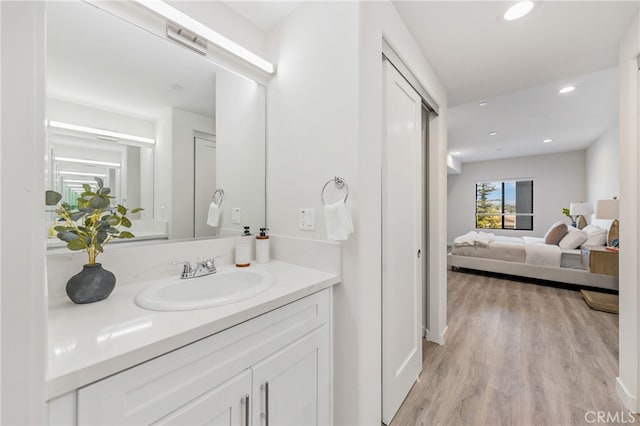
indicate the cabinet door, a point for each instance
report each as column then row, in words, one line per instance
column 291, row 387
column 224, row 405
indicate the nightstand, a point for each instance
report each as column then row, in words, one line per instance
column 600, row 260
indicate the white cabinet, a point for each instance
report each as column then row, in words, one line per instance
column 272, row 370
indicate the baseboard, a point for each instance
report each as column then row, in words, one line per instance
column 437, row 338
column 629, row 401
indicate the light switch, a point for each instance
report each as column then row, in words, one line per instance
column 236, row 217
column 307, row 219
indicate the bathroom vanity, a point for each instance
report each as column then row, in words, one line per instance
column 264, row 360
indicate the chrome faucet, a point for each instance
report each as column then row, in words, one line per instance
column 201, row 268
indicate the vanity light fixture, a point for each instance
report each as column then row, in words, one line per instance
column 484, row 103
column 90, row 182
column 105, row 134
column 566, row 89
column 83, row 161
column 70, row 173
column 493, row 133
column 518, row 10
column 168, row 12
column 547, row 140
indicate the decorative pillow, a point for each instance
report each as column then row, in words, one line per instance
column 573, row 240
column 555, row 233
column 596, row 236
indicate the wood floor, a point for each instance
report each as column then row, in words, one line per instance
column 517, row 354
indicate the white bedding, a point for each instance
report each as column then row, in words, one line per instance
column 531, row 250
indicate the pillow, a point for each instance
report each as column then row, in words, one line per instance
column 596, row 236
column 555, row 233
column 573, row 240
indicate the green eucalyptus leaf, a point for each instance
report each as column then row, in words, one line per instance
column 77, row 215
column 87, row 210
column 99, row 202
column 67, row 236
column 125, row 234
column 136, row 210
column 76, row 245
column 61, row 228
column 122, row 209
column 86, row 187
column 51, row 198
column 105, row 191
column 125, row 222
column 100, row 182
column 99, row 247
column 112, row 220
column 102, row 235
column 113, row 230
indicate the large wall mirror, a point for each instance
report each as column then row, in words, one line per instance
column 165, row 127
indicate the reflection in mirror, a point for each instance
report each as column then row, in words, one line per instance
column 163, row 126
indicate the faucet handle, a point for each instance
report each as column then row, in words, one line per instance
column 211, row 263
column 186, row 269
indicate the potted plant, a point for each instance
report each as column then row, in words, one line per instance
column 89, row 226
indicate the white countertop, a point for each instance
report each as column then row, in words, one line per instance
column 93, row 341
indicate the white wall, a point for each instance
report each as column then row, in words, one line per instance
column 22, row 226
column 174, row 171
column 558, row 179
column 241, row 150
column 628, row 380
column 602, row 164
column 324, row 114
column 312, row 137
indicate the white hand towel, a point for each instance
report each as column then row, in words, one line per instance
column 213, row 217
column 338, row 220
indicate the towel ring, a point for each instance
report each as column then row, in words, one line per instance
column 220, row 194
column 340, row 183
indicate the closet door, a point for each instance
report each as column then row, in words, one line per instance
column 401, row 241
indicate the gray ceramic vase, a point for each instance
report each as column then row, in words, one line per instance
column 91, row 284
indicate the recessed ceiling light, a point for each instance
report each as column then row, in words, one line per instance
column 547, row 140
column 493, row 133
column 177, row 87
column 567, row 89
column 518, row 10
column 456, row 153
column 484, row 103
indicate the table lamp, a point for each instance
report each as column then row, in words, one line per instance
column 608, row 209
column 579, row 211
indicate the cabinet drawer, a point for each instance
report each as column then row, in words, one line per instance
column 146, row 393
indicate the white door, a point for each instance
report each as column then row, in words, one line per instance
column 204, row 185
column 291, row 387
column 226, row 405
column 401, row 241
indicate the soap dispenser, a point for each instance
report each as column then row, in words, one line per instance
column 262, row 246
column 243, row 249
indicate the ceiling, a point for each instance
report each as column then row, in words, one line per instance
column 101, row 61
column 264, row 14
column 477, row 55
column 517, row 67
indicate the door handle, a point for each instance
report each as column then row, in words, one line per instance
column 419, row 253
column 265, row 415
column 246, row 409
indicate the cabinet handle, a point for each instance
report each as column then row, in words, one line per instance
column 265, row 386
column 246, row 410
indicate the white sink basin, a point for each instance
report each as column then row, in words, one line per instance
column 222, row 288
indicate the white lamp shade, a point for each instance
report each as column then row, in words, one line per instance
column 607, row 209
column 580, row 209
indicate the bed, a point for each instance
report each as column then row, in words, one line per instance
column 529, row 257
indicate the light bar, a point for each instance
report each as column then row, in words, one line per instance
column 100, row 132
column 70, row 173
column 83, row 161
column 174, row 15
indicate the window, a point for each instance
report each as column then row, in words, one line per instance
column 505, row 205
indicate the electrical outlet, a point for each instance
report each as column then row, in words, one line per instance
column 307, row 219
column 236, row 216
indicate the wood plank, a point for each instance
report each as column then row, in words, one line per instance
column 516, row 354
